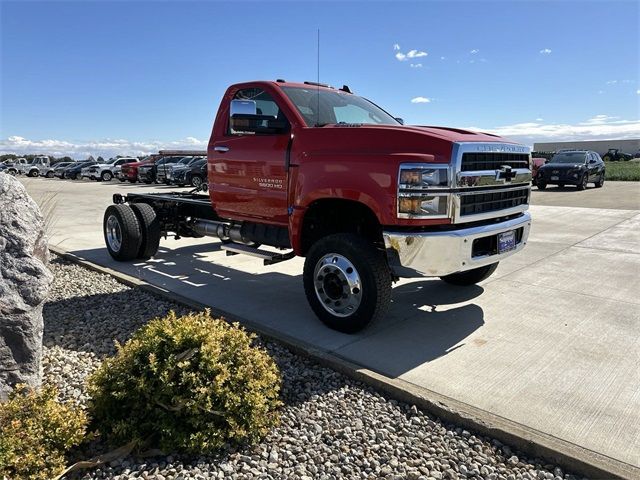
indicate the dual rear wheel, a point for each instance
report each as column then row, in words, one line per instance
column 131, row 231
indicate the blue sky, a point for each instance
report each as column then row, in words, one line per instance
column 111, row 77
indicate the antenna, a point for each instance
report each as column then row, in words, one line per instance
column 318, row 82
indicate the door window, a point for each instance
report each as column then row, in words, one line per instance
column 265, row 105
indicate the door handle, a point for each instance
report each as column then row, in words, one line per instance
column 221, row 149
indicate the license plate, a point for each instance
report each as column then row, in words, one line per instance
column 506, row 241
column 555, row 178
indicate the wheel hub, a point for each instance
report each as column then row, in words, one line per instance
column 114, row 233
column 338, row 285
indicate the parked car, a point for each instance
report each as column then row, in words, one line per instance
column 32, row 167
column 105, row 171
column 49, row 171
column 74, row 172
column 575, row 167
column 193, row 175
column 168, row 173
column 129, row 171
column 615, row 155
column 536, row 163
column 149, row 173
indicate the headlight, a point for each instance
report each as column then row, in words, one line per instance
column 423, row 205
column 423, row 176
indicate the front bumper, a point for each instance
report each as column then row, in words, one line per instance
column 435, row 254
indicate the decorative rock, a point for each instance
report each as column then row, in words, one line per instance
column 24, row 284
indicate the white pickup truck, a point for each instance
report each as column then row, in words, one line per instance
column 31, row 168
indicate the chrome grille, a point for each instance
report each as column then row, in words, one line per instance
column 492, row 200
column 474, row 161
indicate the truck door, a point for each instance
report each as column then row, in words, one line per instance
column 249, row 170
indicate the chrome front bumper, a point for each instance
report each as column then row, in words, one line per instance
column 435, row 254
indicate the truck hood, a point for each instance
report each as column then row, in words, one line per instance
column 561, row 166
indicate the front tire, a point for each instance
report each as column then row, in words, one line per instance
column 600, row 181
column 49, row 175
column 196, row 181
column 583, row 183
column 470, row 277
column 347, row 282
column 541, row 185
column 122, row 232
column 106, row 176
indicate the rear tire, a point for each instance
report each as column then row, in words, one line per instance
column 33, row 173
column 541, row 186
column 470, row 277
column 132, row 181
column 49, row 175
column 347, row 282
column 150, row 229
column 122, row 232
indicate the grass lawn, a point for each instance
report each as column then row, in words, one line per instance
column 629, row 171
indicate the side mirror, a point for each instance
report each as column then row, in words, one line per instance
column 592, row 161
column 400, row 120
column 244, row 118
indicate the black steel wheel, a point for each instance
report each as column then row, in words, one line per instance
column 347, row 282
column 150, row 229
column 541, row 185
column 122, row 232
column 470, row 277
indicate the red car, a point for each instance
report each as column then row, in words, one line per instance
column 129, row 171
column 536, row 163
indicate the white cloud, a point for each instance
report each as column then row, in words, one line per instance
column 599, row 120
column 416, row 65
column 474, row 51
column 539, row 119
column 638, row 92
column 420, row 100
column 410, row 54
column 611, row 82
column 545, row 51
column 442, row 58
column 600, row 92
column 416, row 53
column 105, row 148
column 599, row 127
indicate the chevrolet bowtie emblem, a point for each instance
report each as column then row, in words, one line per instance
column 505, row 173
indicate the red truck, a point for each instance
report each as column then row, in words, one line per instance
column 129, row 171
column 308, row 170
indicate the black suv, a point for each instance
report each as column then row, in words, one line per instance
column 194, row 175
column 572, row 167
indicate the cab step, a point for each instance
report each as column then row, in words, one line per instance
column 269, row 258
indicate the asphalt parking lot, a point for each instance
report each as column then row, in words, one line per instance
column 550, row 341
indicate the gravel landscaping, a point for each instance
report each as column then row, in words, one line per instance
column 332, row 427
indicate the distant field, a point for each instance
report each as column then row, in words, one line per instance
column 629, row 171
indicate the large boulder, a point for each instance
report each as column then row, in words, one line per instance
column 24, row 284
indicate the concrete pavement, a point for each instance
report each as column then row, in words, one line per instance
column 550, row 341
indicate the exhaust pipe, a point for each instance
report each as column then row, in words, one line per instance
column 224, row 231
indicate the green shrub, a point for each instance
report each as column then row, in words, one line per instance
column 186, row 384
column 35, row 432
column 624, row 171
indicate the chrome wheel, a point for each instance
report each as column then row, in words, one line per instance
column 196, row 181
column 114, row 233
column 337, row 285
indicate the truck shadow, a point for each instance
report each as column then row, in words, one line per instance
column 426, row 320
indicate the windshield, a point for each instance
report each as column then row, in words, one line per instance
column 321, row 107
column 569, row 157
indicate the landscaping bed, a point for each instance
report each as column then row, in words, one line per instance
column 623, row 171
column 331, row 426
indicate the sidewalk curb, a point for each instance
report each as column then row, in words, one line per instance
column 533, row 443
